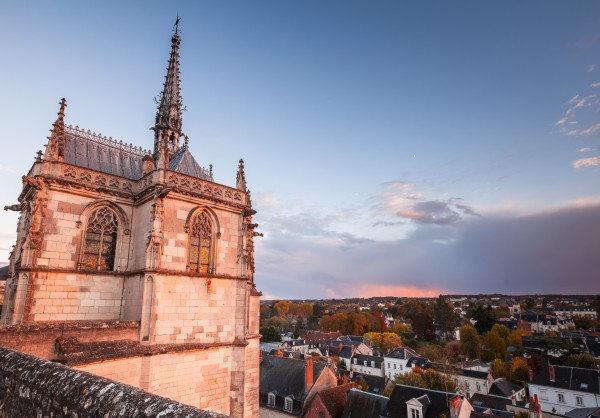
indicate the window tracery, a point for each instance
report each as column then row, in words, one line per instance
column 100, row 240
column 201, row 237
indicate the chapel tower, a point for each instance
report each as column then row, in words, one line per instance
column 146, row 249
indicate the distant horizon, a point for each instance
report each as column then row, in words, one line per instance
column 391, row 147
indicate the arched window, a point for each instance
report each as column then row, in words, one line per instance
column 201, row 236
column 100, row 240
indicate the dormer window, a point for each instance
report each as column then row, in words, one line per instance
column 354, row 361
column 415, row 413
column 271, row 399
column 289, row 404
column 372, row 364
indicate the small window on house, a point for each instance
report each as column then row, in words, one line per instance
column 395, row 366
column 354, row 361
column 579, row 400
column 271, row 400
column 543, row 395
column 478, row 387
column 415, row 413
column 561, row 397
column 321, row 415
column 365, row 362
column 289, row 404
column 400, row 367
column 389, row 365
column 372, row 364
column 100, row 240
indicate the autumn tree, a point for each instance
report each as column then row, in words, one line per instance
column 390, row 341
column 452, row 351
column 519, row 371
column 373, row 338
column 400, row 329
column 515, row 338
column 333, row 322
column 470, row 342
column 502, row 331
column 305, row 309
column 502, row 312
column 282, row 307
column 354, row 324
column 495, row 344
column 499, row 369
column 436, row 381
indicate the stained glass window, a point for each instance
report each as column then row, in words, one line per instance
column 100, row 240
column 200, row 242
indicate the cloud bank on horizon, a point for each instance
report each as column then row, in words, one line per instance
column 303, row 256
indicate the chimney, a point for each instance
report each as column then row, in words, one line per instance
column 535, row 409
column 279, row 353
column 514, row 401
column 308, row 374
column 454, row 404
column 345, row 380
column 531, row 375
column 551, row 374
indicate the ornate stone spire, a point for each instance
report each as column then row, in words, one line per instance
column 55, row 150
column 167, row 127
column 240, row 181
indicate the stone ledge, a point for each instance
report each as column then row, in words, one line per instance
column 64, row 326
column 34, row 387
column 73, row 353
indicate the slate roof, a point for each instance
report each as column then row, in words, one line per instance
column 570, row 378
column 503, row 387
column 96, row 152
column 417, row 361
column 87, row 150
column 583, row 412
column 364, row 405
column 361, row 358
column 285, row 376
column 438, row 402
column 401, row 353
column 346, row 352
column 376, row 384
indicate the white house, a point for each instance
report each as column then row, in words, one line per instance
column 561, row 389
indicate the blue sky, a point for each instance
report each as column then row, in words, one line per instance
column 392, row 148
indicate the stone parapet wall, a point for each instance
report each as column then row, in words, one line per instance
column 30, row 387
column 39, row 339
column 201, row 378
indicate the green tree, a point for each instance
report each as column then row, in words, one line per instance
column 502, row 331
column 470, row 342
column 485, row 319
column 269, row 334
column 444, row 317
column 423, row 327
column 583, row 361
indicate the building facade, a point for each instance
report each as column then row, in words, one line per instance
column 111, row 232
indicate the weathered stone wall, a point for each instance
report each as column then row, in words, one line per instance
column 57, row 296
column 30, row 387
column 200, row 378
column 39, row 339
column 198, row 309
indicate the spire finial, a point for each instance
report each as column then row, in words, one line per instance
column 167, row 127
column 56, row 143
column 176, row 25
column 240, row 182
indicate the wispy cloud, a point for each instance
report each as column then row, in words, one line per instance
column 4, row 169
column 596, row 84
column 591, row 68
column 400, row 200
column 585, row 149
column 586, row 162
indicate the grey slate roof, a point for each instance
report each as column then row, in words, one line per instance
column 503, row 387
column 89, row 151
column 583, row 412
column 183, row 162
column 376, row 384
column 364, row 405
column 438, row 402
column 479, row 400
column 401, row 353
column 361, row 358
column 570, row 378
column 96, row 152
column 285, row 376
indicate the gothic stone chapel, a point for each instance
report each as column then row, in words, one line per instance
column 136, row 266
